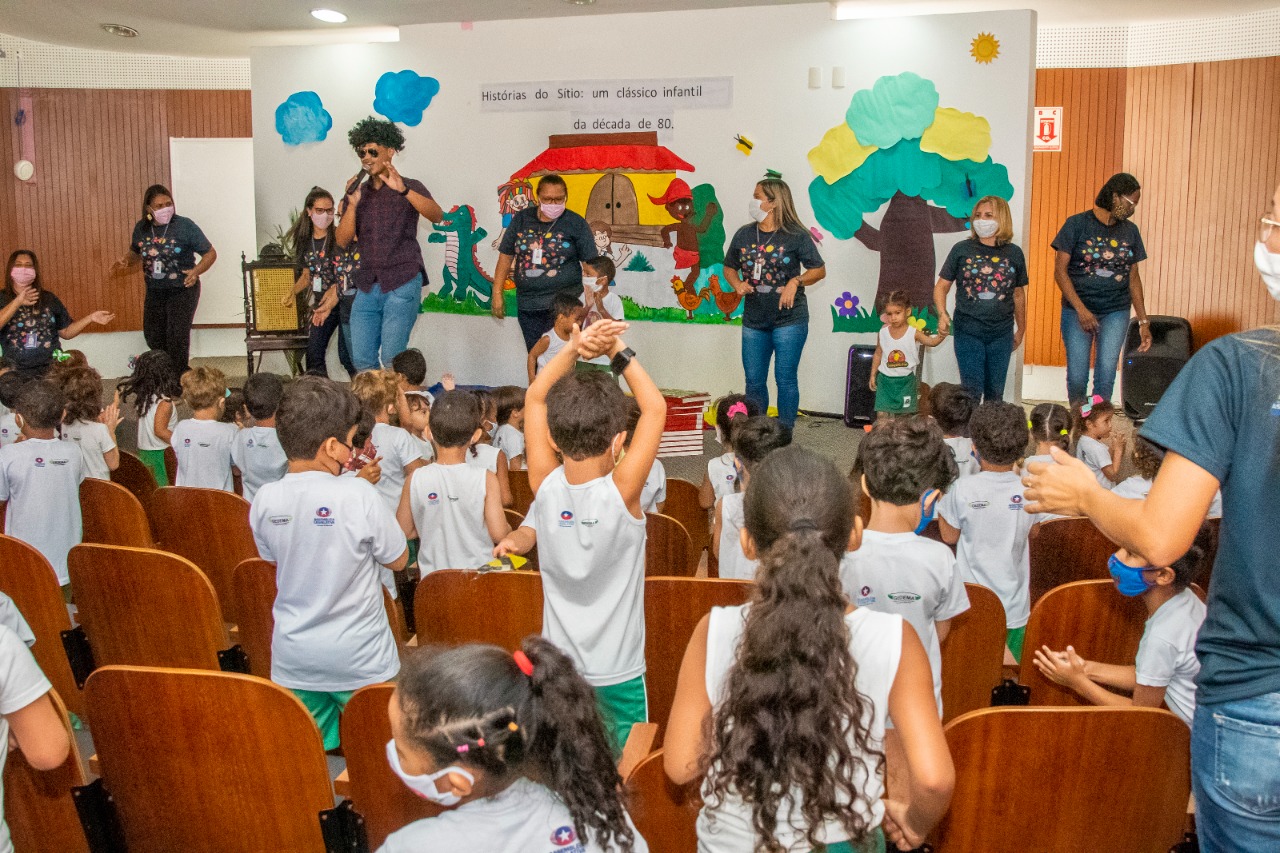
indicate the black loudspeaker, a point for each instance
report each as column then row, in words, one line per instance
column 859, row 399
column 1147, row 374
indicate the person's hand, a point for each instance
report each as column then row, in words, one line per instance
column 288, row 300
column 944, row 326
column 787, row 296
column 121, row 265
column 1088, row 322
column 391, row 177
column 354, row 183
column 1144, row 332
column 497, row 304
column 897, row 829
column 505, row 547
column 319, row 316
column 102, row 318
column 448, row 382
column 29, row 296
column 1117, row 440
column 742, row 288
column 191, row 278
column 1066, row 668
column 1058, row 487
column 371, row 472
column 600, row 338
column 1018, row 334
column 872, row 383
column 666, row 242
column 111, row 414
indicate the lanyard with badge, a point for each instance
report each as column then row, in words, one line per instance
column 537, row 250
column 318, row 252
column 157, row 265
column 757, row 269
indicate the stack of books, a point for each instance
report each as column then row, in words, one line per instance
column 683, row 433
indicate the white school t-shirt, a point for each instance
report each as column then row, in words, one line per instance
column 398, row 448
column 912, row 577
column 526, row 817
column 993, row 551
column 147, row 438
column 1097, row 456
column 962, row 449
column 1167, row 652
column 94, row 440
column 555, row 343
column 203, row 449
column 591, row 555
column 425, row 447
column 327, row 536
column 723, row 475
column 875, row 641
column 257, row 453
column 733, row 561
column 898, row 356
column 12, row 618
column 510, row 441
column 40, row 478
column 485, row 456
column 1133, row 487
column 9, row 431
column 447, row 502
column 21, row 683
column 654, row 490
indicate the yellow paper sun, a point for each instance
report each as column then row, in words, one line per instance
column 985, row 48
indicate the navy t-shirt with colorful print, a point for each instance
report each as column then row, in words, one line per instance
column 329, row 264
column 31, row 335
column 1102, row 258
column 548, row 256
column 985, row 278
column 168, row 252
column 767, row 260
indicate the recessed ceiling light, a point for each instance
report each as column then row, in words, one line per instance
column 329, row 16
column 581, row 2
column 120, row 30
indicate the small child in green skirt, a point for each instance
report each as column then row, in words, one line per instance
column 893, row 369
column 155, row 389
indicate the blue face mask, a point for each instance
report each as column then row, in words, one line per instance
column 928, row 509
column 1130, row 581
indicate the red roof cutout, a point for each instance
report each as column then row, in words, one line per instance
column 603, row 158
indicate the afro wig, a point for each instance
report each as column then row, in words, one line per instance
column 378, row 131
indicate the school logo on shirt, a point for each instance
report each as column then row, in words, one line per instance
column 186, row 442
column 1015, row 502
column 433, row 498
column 249, row 442
column 39, row 462
column 864, row 597
column 566, row 518
column 563, row 836
column 903, row 597
column 322, row 518
column 58, row 461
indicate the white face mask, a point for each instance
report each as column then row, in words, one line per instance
column 321, row 219
column 425, row 785
column 1268, row 264
column 755, row 209
column 985, row 227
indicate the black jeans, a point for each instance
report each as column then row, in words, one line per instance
column 166, row 321
column 318, row 338
column 535, row 324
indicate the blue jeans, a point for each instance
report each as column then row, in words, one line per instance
column 758, row 348
column 984, row 365
column 1109, row 335
column 1235, row 774
column 382, row 322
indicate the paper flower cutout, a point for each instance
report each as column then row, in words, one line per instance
column 403, row 96
column 916, row 322
column 847, row 304
column 303, row 118
column 984, row 48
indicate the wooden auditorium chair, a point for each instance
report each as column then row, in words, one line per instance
column 1065, row 550
column 38, row 805
column 136, row 477
column 455, row 606
column 113, row 515
column 665, row 814
column 668, row 549
column 521, row 491
column 973, row 654
column 682, row 505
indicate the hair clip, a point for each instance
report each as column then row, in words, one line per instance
column 1087, row 408
column 59, row 355
column 772, row 175
column 1064, row 432
column 1030, row 425
column 522, row 661
column 738, row 408
column 464, row 747
column 513, row 726
column 802, row 524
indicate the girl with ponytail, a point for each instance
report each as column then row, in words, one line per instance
column 781, row 703
column 516, row 743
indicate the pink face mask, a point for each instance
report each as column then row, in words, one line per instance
column 23, row 275
column 322, row 219
column 552, row 211
column 163, row 215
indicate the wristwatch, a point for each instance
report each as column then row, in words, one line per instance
column 620, row 361
column 405, row 191
column 1144, row 322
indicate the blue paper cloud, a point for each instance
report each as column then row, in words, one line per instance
column 403, row 96
column 893, row 109
column 302, row 118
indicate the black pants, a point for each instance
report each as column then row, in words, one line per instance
column 166, row 321
column 535, row 324
column 318, row 338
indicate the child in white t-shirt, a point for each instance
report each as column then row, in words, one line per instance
column 87, row 423
column 1166, row 667
column 452, row 508
column 600, row 300
column 568, row 312
column 40, row 479
column 952, row 407
column 753, row 440
column 1050, row 426
column 415, row 419
column 509, row 436
column 722, row 471
column 256, row 449
column 586, row 518
column 379, row 393
column 905, row 465
column 1097, row 445
column 153, row 387
column 483, row 454
column 203, row 443
column 984, row 514
column 329, row 536
column 10, row 387
column 490, row 733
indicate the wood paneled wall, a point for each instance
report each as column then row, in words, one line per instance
column 1204, row 141
column 96, row 150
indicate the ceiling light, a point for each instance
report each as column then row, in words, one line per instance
column 120, row 30
column 581, row 2
column 329, row 16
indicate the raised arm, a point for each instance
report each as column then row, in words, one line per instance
column 539, row 453
column 633, row 470
column 102, row 318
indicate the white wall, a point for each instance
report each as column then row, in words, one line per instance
column 463, row 155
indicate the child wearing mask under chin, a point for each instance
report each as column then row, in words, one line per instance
column 1166, row 666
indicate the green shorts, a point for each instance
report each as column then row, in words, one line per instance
column 622, row 706
column 326, row 709
column 154, row 460
column 1013, row 639
column 897, row 394
column 874, row 844
column 413, row 553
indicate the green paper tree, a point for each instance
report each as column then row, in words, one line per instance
column 929, row 164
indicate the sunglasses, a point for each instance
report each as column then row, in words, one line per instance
column 366, row 152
